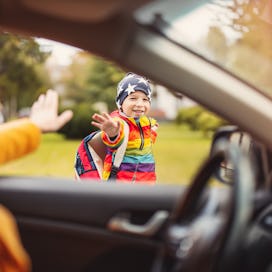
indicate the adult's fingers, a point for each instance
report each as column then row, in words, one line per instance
column 51, row 99
column 63, row 118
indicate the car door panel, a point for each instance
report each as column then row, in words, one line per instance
column 64, row 224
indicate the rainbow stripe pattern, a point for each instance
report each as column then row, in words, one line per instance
column 138, row 164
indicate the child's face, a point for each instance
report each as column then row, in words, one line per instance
column 136, row 104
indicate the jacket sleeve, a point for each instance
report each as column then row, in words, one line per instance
column 13, row 255
column 154, row 127
column 18, row 138
column 117, row 141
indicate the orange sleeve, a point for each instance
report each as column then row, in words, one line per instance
column 13, row 255
column 18, row 138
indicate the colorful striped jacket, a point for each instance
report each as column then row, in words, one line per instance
column 138, row 164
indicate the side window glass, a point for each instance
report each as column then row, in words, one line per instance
column 86, row 85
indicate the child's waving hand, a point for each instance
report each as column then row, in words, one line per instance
column 106, row 123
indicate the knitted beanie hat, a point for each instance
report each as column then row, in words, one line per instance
column 129, row 84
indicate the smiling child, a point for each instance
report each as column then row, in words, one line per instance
column 133, row 101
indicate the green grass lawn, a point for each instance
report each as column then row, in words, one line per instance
column 178, row 152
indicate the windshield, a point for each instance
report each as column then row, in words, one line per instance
column 236, row 35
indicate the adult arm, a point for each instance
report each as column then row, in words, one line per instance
column 22, row 136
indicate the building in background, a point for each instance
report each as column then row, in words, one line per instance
column 165, row 104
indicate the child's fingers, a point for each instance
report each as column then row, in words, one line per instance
column 101, row 117
column 98, row 125
column 106, row 116
column 98, row 117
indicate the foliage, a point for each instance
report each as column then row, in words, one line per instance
column 20, row 64
column 244, row 15
column 102, row 82
column 74, row 79
column 250, row 23
column 197, row 118
column 80, row 126
column 92, row 79
column 86, row 81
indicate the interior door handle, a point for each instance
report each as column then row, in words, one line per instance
column 121, row 224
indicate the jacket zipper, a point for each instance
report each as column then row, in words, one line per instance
column 141, row 134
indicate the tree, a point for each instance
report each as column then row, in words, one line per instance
column 240, row 40
column 197, row 118
column 86, row 81
column 20, row 65
column 102, row 82
column 92, row 79
column 74, row 78
column 80, row 125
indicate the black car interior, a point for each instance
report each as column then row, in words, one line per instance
column 221, row 221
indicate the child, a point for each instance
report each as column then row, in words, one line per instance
column 133, row 101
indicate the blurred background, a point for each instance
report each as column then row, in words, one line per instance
column 87, row 84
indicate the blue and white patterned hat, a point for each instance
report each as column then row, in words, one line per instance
column 129, row 84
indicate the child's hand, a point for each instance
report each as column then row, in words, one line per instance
column 106, row 123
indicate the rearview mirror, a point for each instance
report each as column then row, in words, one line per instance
column 235, row 136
